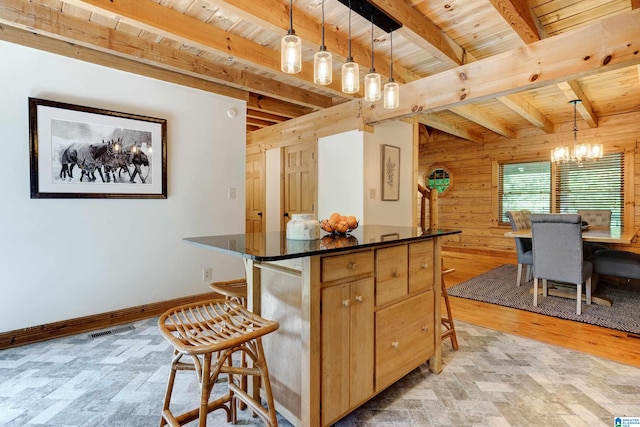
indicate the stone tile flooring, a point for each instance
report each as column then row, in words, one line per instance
column 494, row 379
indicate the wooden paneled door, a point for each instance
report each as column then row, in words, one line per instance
column 300, row 177
column 255, row 195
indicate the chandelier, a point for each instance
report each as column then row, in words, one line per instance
column 579, row 152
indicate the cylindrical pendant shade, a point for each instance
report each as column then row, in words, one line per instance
column 372, row 90
column 350, row 77
column 391, row 95
column 322, row 68
column 291, row 54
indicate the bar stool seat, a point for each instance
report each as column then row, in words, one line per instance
column 234, row 290
column 210, row 333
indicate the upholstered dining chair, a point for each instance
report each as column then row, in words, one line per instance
column 596, row 217
column 520, row 220
column 557, row 254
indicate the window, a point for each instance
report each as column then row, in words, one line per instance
column 524, row 186
column 589, row 185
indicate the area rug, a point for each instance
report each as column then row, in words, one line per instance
column 498, row 286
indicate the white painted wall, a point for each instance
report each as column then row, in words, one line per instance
column 349, row 170
column 377, row 211
column 66, row 258
column 340, row 172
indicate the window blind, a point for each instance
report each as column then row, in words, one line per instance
column 592, row 185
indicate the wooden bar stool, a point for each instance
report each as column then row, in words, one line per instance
column 447, row 322
column 210, row 332
column 234, row 290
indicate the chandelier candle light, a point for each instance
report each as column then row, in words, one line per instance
column 291, row 48
column 322, row 61
column 580, row 152
column 372, row 91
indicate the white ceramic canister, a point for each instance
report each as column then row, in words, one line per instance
column 303, row 227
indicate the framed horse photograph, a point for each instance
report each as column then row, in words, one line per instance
column 83, row 152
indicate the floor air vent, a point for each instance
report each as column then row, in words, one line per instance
column 112, row 331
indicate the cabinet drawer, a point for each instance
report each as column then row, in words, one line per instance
column 405, row 335
column 421, row 266
column 391, row 274
column 348, row 265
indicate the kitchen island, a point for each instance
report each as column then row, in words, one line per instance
column 356, row 312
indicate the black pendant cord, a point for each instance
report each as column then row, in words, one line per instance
column 391, row 58
column 322, row 46
column 350, row 58
column 291, row 31
column 372, row 70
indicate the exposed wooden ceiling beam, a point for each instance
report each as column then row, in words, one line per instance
column 275, row 106
column 191, row 31
column 528, row 111
column 75, row 51
column 437, row 123
column 573, row 91
column 518, row 14
column 477, row 115
column 267, row 117
column 47, row 21
column 604, row 45
column 422, row 32
column 455, row 55
column 635, row 4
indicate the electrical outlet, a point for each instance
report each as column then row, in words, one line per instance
column 372, row 193
column 207, row 273
column 232, row 193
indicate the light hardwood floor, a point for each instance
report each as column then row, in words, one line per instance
column 606, row 343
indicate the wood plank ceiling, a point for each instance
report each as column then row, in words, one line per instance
column 232, row 47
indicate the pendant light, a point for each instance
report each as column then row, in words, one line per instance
column 391, row 88
column 350, row 70
column 372, row 91
column 291, row 48
column 322, row 61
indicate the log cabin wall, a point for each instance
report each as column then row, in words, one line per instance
column 470, row 203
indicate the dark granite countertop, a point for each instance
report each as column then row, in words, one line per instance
column 274, row 246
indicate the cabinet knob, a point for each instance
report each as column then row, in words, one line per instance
column 346, row 302
column 395, row 274
column 395, row 344
column 424, row 266
column 425, row 328
column 359, row 298
column 352, row 266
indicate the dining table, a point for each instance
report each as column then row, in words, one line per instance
column 606, row 235
column 592, row 234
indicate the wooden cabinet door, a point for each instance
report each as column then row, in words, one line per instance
column 347, row 347
column 362, row 345
column 336, row 315
column 421, row 266
column 255, row 200
column 404, row 338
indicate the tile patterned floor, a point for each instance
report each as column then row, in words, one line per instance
column 493, row 380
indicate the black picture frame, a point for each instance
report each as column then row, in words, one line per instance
column 84, row 152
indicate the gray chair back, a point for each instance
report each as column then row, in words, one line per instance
column 596, row 217
column 557, row 248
